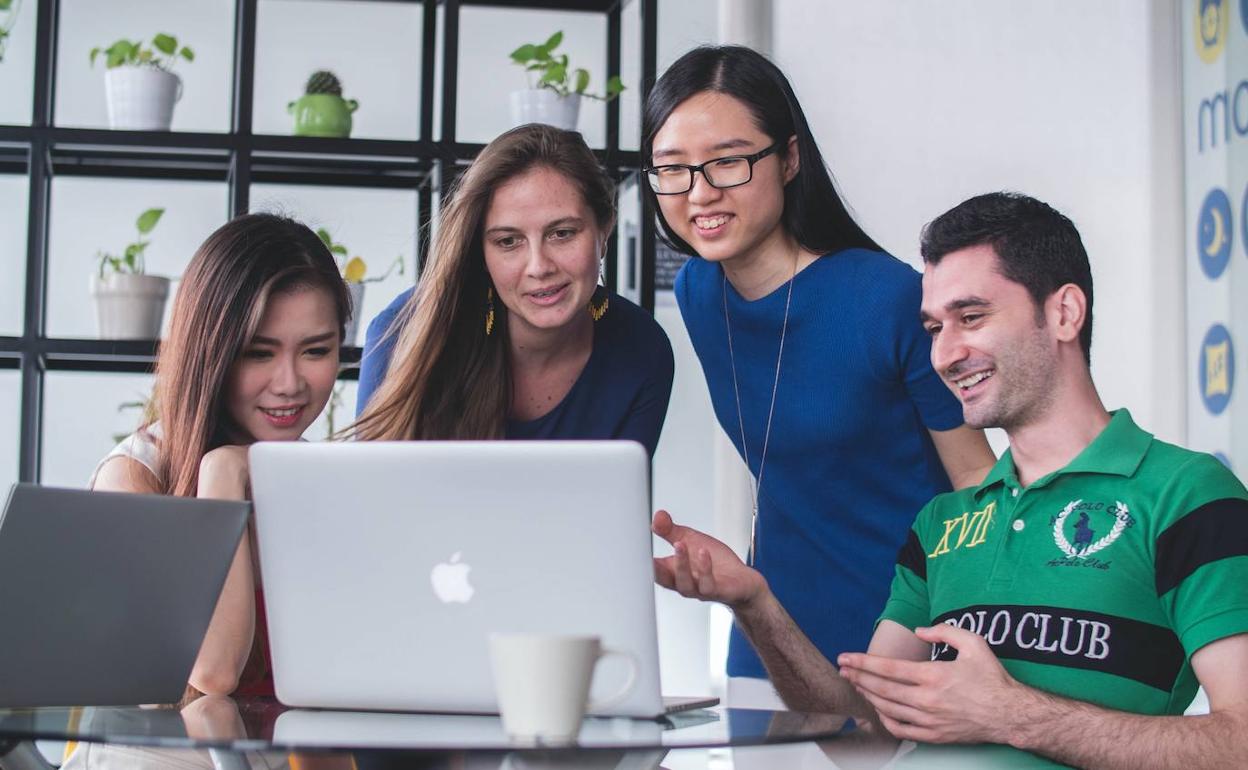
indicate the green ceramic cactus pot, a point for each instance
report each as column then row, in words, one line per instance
column 322, row 115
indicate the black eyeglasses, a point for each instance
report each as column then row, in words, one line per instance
column 728, row 171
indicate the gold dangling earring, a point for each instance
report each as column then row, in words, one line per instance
column 598, row 303
column 489, row 311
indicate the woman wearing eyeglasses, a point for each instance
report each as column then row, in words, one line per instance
column 810, row 340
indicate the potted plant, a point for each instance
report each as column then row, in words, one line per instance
column 555, row 98
column 139, row 82
column 354, row 270
column 129, row 304
column 322, row 111
column 8, row 17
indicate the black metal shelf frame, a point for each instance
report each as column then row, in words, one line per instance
column 240, row 158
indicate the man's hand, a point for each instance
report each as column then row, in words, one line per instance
column 703, row 567
column 968, row 700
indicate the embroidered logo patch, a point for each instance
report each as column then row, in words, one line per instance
column 1083, row 530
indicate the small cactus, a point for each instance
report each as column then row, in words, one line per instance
column 324, row 82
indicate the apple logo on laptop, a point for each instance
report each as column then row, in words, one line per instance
column 450, row 581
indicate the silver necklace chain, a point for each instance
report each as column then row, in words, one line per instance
column 771, row 410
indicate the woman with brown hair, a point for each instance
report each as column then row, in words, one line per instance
column 509, row 334
column 251, row 355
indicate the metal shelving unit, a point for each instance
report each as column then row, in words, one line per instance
column 240, row 158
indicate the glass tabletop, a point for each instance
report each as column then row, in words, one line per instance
column 263, row 724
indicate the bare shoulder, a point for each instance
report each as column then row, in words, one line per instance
column 125, row 474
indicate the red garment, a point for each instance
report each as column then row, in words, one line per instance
column 257, row 676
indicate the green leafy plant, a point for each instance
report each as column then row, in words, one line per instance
column 554, row 71
column 162, row 54
column 8, row 17
column 323, row 82
column 131, row 258
column 142, row 403
column 335, row 403
column 355, row 268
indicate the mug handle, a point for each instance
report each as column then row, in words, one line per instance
column 178, row 96
column 633, row 668
column 352, row 105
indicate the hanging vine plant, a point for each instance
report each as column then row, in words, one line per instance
column 8, row 17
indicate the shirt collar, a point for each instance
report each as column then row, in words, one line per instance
column 1117, row 450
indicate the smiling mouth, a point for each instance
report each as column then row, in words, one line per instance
column 711, row 223
column 966, row 383
column 283, row 413
column 545, row 293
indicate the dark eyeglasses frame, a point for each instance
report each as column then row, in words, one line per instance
column 751, row 159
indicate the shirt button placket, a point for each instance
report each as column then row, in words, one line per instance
column 1008, row 547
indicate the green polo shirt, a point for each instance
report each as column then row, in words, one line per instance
column 1098, row 581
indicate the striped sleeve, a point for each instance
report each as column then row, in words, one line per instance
column 908, row 603
column 1201, row 555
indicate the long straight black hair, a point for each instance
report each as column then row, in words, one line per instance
column 814, row 213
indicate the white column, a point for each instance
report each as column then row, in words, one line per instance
column 746, row 22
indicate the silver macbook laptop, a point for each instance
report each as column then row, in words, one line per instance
column 105, row 597
column 387, row 565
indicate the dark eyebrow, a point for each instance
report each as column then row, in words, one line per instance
column 502, row 229
column 962, row 303
column 562, row 221
column 731, row 144
column 258, row 340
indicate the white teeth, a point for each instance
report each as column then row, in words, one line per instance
column 710, row 223
column 281, row 412
column 974, row 379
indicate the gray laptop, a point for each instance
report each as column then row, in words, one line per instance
column 387, row 565
column 105, row 597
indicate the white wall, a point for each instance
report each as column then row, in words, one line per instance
column 14, row 202
column 918, row 106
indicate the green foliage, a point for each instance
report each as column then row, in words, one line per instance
column 143, row 403
column 354, row 269
column 131, row 258
column 8, row 17
column 162, row 54
column 554, row 71
column 323, row 82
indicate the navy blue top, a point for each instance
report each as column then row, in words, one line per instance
column 622, row 392
column 850, row 461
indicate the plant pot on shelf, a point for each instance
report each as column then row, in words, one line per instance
column 322, row 115
column 141, row 98
column 355, row 291
column 129, row 306
column 542, row 105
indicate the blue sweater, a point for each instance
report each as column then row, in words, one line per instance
column 850, row 461
column 622, row 392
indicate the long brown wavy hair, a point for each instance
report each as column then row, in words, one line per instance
column 217, row 310
column 447, row 378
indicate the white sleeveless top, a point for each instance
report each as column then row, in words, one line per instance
column 140, row 446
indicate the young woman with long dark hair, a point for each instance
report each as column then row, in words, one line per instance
column 251, row 355
column 509, row 334
column 810, row 340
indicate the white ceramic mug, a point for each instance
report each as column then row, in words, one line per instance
column 542, row 682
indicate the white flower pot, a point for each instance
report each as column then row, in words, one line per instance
column 356, row 292
column 141, row 98
column 542, row 105
column 129, row 306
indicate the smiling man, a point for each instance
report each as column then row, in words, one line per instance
column 1085, row 588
